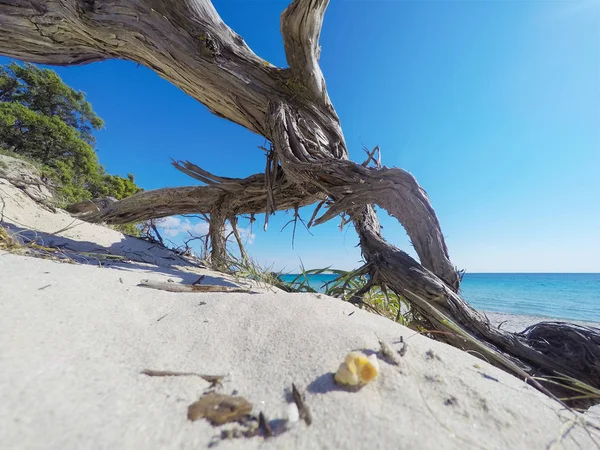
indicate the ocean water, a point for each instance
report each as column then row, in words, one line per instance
column 574, row 296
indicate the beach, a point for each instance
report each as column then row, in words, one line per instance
column 81, row 329
column 164, row 164
column 76, row 339
column 517, row 323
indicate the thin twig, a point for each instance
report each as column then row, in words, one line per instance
column 68, row 227
column 213, row 379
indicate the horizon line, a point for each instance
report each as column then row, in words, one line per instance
column 481, row 273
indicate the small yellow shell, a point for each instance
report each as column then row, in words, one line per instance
column 345, row 375
column 357, row 369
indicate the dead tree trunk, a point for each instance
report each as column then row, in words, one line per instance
column 187, row 43
column 216, row 233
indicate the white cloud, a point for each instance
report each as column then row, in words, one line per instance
column 173, row 227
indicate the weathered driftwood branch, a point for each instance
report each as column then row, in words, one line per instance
column 553, row 349
column 301, row 26
column 352, row 186
column 241, row 196
column 187, row 43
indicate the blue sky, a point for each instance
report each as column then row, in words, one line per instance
column 493, row 105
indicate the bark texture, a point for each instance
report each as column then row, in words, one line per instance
column 188, row 44
column 236, row 195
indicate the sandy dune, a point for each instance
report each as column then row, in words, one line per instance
column 75, row 338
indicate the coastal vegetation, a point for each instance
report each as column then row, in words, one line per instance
column 47, row 123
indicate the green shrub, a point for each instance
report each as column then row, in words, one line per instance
column 45, row 121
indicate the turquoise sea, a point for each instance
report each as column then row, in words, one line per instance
column 574, row 296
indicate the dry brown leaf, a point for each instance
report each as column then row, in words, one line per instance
column 219, row 408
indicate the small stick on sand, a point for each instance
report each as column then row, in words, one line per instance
column 176, row 287
column 213, row 379
column 264, row 426
column 298, row 399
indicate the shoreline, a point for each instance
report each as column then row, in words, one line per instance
column 514, row 311
column 518, row 322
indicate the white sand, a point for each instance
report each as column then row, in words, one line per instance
column 75, row 338
column 517, row 323
column 71, row 355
